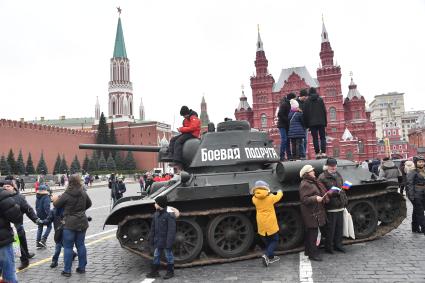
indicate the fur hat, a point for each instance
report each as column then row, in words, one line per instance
column 260, row 184
column 331, row 162
column 409, row 166
column 294, row 103
column 307, row 168
column 161, row 201
column 184, row 110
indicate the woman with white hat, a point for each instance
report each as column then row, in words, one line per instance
column 313, row 197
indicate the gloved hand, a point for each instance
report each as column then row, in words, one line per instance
column 38, row 221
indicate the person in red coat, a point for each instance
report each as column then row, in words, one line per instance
column 191, row 129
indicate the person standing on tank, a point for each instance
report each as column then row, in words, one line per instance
column 267, row 225
column 296, row 132
column 283, row 125
column 335, row 207
column 74, row 202
column 316, row 120
column 313, row 197
column 191, row 129
column 415, row 189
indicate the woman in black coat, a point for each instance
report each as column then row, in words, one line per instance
column 75, row 202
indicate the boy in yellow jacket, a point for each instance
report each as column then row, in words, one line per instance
column 267, row 225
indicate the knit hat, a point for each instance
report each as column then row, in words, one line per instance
column 307, row 168
column 331, row 162
column 161, row 201
column 260, row 184
column 303, row 92
column 184, row 110
column 294, row 104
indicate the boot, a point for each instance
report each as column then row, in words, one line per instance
column 170, row 271
column 154, row 271
column 43, row 242
column 24, row 264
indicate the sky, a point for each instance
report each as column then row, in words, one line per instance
column 56, row 54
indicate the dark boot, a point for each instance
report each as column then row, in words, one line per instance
column 43, row 242
column 24, row 264
column 154, row 271
column 170, row 271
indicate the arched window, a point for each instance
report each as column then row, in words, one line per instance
column 332, row 113
column 361, row 147
column 394, row 132
column 263, row 120
column 389, row 133
column 349, row 155
column 357, row 115
column 113, row 107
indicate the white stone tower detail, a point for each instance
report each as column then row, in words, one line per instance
column 142, row 110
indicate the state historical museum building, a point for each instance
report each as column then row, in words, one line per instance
column 350, row 132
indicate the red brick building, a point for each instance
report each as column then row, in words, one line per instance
column 350, row 133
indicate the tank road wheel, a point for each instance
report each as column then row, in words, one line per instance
column 291, row 230
column 388, row 208
column 189, row 240
column 230, row 235
column 365, row 218
column 134, row 234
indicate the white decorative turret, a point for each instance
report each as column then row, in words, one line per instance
column 141, row 110
column 325, row 37
column 243, row 102
column 97, row 110
column 347, row 135
column 259, row 42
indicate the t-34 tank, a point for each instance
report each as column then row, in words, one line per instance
column 217, row 221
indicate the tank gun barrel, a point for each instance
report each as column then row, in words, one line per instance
column 143, row 148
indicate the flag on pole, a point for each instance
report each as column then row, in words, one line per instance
column 347, row 185
column 335, row 189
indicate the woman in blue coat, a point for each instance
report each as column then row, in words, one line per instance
column 296, row 131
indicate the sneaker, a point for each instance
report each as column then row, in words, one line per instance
column 66, row 274
column 79, row 270
column 43, row 243
column 39, row 245
column 274, row 259
column 54, row 264
column 265, row 260
column 74, row 256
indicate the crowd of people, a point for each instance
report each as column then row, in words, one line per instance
column 295, row 116
column 67, row 216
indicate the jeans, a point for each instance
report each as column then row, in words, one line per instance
column 69, row 238
column 271, row 242
column 296, row 146
column 283, row 143
column 303, row 148
column 58, row 249
column 7, row 264
column 317, row 131
column 46, row 233
column 168, row 256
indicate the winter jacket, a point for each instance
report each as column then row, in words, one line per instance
column 314, row 112
column 301, row 104
column 42, row 204
column 266, row 216
column 25, row 208
column 282, row 115
column 9, row 212
column 163, row 229
column 55, row 217
column 389, row 171
column 191, row 125
column 313, row 212
column 339, row 199
column 120, row 189
column 75, row 202
column 415, row 183
column 296, row 125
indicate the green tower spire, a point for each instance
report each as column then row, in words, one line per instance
column 119, row 49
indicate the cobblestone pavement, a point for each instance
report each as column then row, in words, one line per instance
column 397, row 257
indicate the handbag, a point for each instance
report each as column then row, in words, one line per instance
column 347, row 225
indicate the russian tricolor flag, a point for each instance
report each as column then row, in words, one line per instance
column 347, row 185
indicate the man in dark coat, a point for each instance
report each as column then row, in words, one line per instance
column 9, row 213
column 335, row 207
column 415, row 189
column 162, row 236
column 315, row 119
column 283, row 125
column 29, row 211
column 313, row 197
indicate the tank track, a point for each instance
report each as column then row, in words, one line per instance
column 203, row 259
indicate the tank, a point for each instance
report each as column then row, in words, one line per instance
column 217, row 220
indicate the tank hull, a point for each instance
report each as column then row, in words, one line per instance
column 217, row 218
